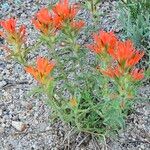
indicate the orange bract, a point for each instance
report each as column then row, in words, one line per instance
column 112, row 72
column 137, row 74
column 126, row 54
column 103, row 41
column 73, row 102
column 11, row 33
column 45, row 22
column 65, row 10
column 1, row 34
column 9, row 25
column 42, row 71
column 77, row 25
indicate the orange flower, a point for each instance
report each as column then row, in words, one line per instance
column 42, row 71
column 103, row 41
column 137, row 74
column 135, row 59
column 73, row 102
column 9, row 25
column 112, row 72
column 45, row 22
column 65, row 11
column 126, row 54
column 2, row 34
column 11, row 34
column 77, row 25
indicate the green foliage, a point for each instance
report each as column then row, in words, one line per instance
column 135, row 21
column 138, row 31
column 92, row 6
column 136, row 7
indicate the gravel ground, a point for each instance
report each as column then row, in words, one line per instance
column 24, row 120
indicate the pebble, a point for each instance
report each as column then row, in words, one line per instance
column 1, row 112
column 2, row 130
column 2, row 83
column 20, row 126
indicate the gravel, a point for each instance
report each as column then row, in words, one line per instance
column 25, row 120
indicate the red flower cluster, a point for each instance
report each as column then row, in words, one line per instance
column 112, row 72
column 11, row 33
column 103, row 42
column 45, row 22
column 123, row 53
column 62, row 13
column 126, row 54
column 42, row 71
column 65, row 11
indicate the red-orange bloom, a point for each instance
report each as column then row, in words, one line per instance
column 137, row 74
column 9, row 25
column 45, row 22
column 77, row 25
column 10, row 31
column 42, row 71
column 112, row 72
column 103, row 41
column 65, row 10
column 126, row 54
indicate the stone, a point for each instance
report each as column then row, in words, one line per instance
column 20, row 126
column 1, row 112
column 2, row 83
column 2, row 130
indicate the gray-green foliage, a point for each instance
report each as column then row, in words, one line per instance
column 138, row 31
column 135, row 19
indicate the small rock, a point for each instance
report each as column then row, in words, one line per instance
column 20, row 126
column 142, row 147
column 1, row 112
column 1, row 130
column 3, row 125
column 2, row 83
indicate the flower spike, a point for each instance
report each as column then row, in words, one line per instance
column 42, row 70
column 11, row 33
column 103, row 42
column 45, row 22
column 65, row 11
column 126, row 54
column 112, row 72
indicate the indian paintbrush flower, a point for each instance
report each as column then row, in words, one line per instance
column 42, row 70
column 46, row 22
column 65, row 11
column 112, row 72
column 104, row 42
column 13, row 35
column 126, row 55
column 122, row 53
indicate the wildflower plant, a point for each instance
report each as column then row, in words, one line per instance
column 100, row 97
column 15, row 38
